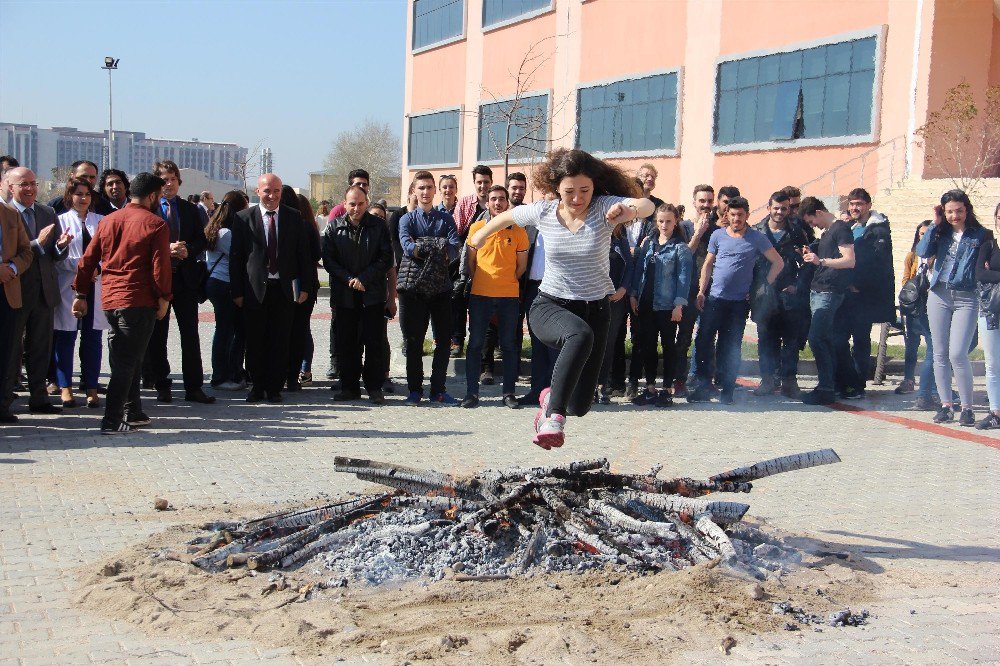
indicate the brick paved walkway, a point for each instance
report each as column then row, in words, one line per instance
column 921, row 503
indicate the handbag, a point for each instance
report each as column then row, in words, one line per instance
column 913, row 295
column 203, row 274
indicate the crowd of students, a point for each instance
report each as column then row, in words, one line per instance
column 599, row 259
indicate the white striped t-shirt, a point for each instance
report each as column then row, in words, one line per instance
column 576, row 264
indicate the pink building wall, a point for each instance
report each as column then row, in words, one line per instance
column 926, row 46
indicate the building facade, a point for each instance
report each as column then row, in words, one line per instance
column 755, row 93
column 44, row 149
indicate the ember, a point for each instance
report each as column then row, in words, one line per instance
column 502, row 523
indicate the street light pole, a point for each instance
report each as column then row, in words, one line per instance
column 110, row 64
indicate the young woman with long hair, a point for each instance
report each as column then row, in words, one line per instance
column 300, row 345
column 228, row 342
column 917, row 328
column 571, row 311
column 954, row 240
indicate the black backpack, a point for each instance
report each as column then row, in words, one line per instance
column 913, row 295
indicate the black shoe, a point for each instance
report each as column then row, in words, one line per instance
column 255, row 396
column 700, row 394
column 44, row 408
column 528, row 399
column 726, row 397
column 274, row 396
column 119, row 429
column 967, row 418
column 944, row 415
column 198, row 395
column 602, row 398
column 387, row 386
column 376, row 397
column 990, row 422
column 347, row 395
column 853, row 394
column 469, row 401
column 293, row 386
column 8, row 418
column 148, row 384
column 511, row 401
column 664, row 399
column 164, row 395
column 486, row 379
column 818, row 397
column 138, row 420
column 645, row 398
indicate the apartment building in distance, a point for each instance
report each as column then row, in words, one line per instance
column 757, row 93
column 44, row 149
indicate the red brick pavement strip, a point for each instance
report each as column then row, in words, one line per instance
column 913, row 424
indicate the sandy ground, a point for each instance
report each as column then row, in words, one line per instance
column 600, row 617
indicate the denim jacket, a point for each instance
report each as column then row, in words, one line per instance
column 671, row 264
column 963, row 271
column 620, row 262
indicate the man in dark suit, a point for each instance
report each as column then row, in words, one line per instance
column 39, row 293
column 269, row 271
column 187, row 242
column 86, row 170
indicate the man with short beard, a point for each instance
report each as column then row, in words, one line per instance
column 132, row 247
column 114, row 186
column 517, row 185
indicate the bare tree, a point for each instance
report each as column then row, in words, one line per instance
column 373, row 146
column 240, row 169
column 962, row 139
column 517, row 128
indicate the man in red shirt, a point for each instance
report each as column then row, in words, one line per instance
column 132, row 248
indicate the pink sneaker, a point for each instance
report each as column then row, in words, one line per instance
column 550, row 432
column 543, row 402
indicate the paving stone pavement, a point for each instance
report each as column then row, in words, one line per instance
column 921, row 504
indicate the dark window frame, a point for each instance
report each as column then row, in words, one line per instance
column 410, row 163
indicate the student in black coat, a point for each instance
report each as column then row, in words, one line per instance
column 269, row 271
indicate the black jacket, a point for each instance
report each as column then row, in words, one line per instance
column 874, row 275
column 368, row 260
column 248, row 256
column 192, row 231
column 796, row 272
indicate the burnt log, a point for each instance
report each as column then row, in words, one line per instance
column 778, row 466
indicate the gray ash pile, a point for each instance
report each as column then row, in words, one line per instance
column 503, row 523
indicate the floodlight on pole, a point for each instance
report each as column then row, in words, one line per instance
column 110, row 64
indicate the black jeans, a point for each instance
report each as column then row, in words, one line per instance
column 543, row 357
column 301, row 316
column 414, row 314
column 131, row 330
column 227, row 343
column 269, row 330
column 657, row 327
column 618, row 309
column 156, row 367
column 685, row 334
column 728, row 320
column 579, row 330
column 361, row 330
column 778, row 344
column 459, row 317
column 852, row 365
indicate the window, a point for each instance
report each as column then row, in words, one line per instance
column 821, row 92
column 635, row 115
column 433, row 139
column 499, row 11
column 435, row 21
column 528, row 121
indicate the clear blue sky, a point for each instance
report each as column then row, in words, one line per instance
column 287, row 74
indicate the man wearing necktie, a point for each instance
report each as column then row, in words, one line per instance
column 269, row 271
column 33, row 324
column 187, row 243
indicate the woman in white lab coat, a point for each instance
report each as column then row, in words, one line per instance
column 80, row 223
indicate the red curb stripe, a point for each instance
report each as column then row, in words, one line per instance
column 918, row 425
column 913, row 424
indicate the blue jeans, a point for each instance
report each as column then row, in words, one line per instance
column 90, row 357
column 728, row 320
column 822, row 336
column 990, row 339
column 227, row 342
column 481, row 309
column 917, row 328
